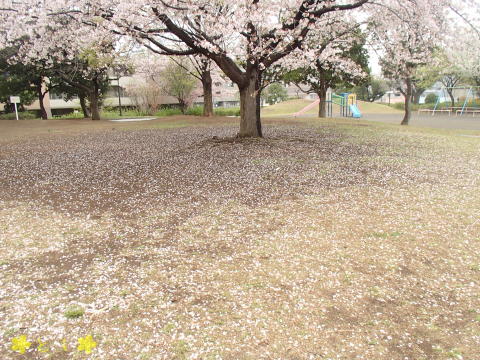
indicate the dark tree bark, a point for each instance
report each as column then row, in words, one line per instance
column 449, row 81
column 83, row 104
column 93, row 94
column 408, row 102
column 183, row 105
column 322, row 106
column 452, row 98
column 41, row 97
column 94, row 106
column 259, row 88
column 207, row 93
column 322, row 95
column 94, row 103
column 417, row 93
column 249, row 120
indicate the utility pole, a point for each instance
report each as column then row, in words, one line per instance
column 119, row 95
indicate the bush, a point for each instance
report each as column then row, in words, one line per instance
column 26, row 115
column 431, row 99
column 234, row 111
column 196, row 111
column 168, row 112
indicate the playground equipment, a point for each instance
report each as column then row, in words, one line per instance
column 467, row 97
column 470, row 98
column 347, row 103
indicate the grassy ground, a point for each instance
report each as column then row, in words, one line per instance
column 108, row 114
column 328, row 239
column 284, row 108
column 375, row 108
column 291, row 106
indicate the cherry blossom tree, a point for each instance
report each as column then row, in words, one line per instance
column 406, row 36
column 462, row 46
column 469, row 12
column 448, row 73
column 242, row 37
column 339, row 58
column 79, row 54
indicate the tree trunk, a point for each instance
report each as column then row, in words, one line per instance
column 83, row 104
column 259, row 89
column 452, row 98
column 207, row 93
column 417, row 95
column 94, row 105
column 408, row 102
column 322, row 106
column 41, row 96
column 248, row 107
column 182, row 105
column 95, row 101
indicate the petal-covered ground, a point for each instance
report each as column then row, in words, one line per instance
column 325, row 240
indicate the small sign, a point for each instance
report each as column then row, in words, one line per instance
column 15, row 100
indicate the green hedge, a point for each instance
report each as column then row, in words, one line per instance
column 26, row 115
column 198, row 111
column 108, row 113
column 431, row 99
column 234, row 111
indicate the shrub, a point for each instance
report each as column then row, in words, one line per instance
column 195, row 110
column 26, row 115
column 431, row 99
column 198, row 111
column 234, row 111
column 168, row 112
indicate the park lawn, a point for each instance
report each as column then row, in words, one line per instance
column 289, row 107
column 171, row 239
column 376, row 108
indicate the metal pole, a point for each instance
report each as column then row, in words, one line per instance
column 119, row 97
column 466, row 101
column 16, row 110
